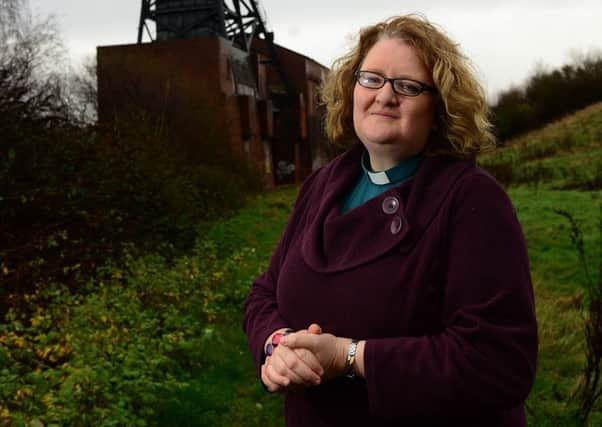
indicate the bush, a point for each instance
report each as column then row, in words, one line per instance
column 577, row 85
column 122, row 348
column 72, row 195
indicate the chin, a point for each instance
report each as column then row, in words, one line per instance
column 381, row 143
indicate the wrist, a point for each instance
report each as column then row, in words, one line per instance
column 341, row 358
column 345, row 366
column 359, row 367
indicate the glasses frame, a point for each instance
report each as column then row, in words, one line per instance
column 423, row 86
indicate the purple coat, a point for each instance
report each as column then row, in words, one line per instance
column 440, row 288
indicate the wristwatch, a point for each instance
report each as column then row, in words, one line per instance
column 350, row 359
column 269, row 349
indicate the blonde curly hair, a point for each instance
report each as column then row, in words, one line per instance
column 462, row 126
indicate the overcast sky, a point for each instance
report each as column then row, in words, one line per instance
column 504, row 39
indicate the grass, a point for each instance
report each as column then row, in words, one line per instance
column 566, row 154
column 227, row 391
column 559, row 282
column 552, row 255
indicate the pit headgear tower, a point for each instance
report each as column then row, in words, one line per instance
column 240, row 21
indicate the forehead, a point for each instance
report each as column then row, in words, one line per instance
column 392, row 55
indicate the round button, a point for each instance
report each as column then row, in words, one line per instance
column 390, row 205
column 396, row 225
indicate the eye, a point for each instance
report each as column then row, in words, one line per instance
column 370, row 79
column 407, row 86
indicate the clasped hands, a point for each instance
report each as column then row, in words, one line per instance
column 303, row 359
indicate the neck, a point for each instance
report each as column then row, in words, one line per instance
column 386, row 157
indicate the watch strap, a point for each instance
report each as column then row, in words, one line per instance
column 350, row 360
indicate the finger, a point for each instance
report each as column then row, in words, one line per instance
column 307, row 341
column 277, row 378
column 288, row 364
column 299, row 368
column 310, row 360
column 308, row 373
column 270, row 385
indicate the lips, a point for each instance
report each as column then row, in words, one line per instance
column 387, row 114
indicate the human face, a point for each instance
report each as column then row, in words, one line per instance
column 393, row 127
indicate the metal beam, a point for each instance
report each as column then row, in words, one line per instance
column 240, row 25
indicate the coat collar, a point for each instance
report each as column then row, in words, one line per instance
column 335, row 242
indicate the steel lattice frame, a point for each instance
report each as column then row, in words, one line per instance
column 241, row 21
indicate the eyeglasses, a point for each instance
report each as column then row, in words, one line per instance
column 405, row 87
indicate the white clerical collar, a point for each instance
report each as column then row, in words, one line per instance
column 378, row 178
column 397, row 174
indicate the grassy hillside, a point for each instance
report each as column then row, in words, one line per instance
column 566, row 154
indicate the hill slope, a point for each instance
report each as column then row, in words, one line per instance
column 566, row 154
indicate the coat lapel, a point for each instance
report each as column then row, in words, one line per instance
column 335, row 242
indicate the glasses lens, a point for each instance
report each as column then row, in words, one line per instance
column 370, row 80
column 407, row 87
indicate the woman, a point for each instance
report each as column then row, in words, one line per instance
column 403, row 268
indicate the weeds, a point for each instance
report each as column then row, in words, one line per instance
column 589, row 389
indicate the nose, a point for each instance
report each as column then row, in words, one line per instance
column 386, row 95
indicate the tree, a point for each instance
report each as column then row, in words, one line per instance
column 30, row 88
column 83, row 92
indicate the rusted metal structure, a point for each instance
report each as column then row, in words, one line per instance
column 213, row 70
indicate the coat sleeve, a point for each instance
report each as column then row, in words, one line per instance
column 261, row 315
column 484, row 359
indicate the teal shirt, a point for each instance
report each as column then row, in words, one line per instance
column 371, row 184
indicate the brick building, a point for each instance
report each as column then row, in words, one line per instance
column 213, row 95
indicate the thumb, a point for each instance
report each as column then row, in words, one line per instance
column 314, row 328
column 304, row 340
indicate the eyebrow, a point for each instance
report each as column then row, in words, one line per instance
column 402, row 76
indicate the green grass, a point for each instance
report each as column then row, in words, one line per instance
column 560, row 288
column 552, row 255
column 227, row 391
column 566, row 154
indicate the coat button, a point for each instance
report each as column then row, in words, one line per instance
column 390, row 205
column 396, row 225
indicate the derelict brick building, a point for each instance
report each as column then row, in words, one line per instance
column 211, row 87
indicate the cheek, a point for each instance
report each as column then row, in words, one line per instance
column 426, row 113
